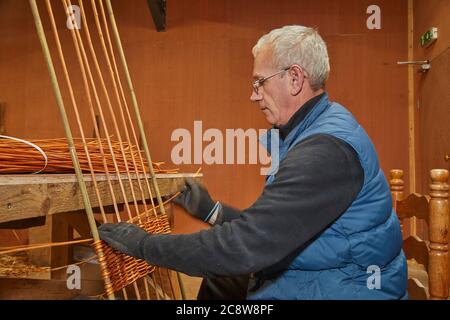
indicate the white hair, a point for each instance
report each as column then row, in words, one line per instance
column 298, row 45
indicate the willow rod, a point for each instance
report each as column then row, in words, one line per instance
column 108, row 100
column 120, row 107
column 116, row 90
column 85, row 69
column 133, row 97
column 78, row 38
column 75, row 107
column 135, row 104
column 112, row 114
column 127, row 109
column 68, row 132
column 93, row 117
column 14, row 249
column 136, row 109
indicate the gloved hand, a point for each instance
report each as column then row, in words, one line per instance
column 195, row 199
column 125, row 237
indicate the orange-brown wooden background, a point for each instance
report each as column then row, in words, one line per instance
column 432, row 90
column 201, row 67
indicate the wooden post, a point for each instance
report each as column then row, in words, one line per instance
column 411, row 112
column 158, row 11
column 438, row 267
column 411, row 104
column 397, row 191
column 58, row 228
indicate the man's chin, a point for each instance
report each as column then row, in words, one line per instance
column 270, row 121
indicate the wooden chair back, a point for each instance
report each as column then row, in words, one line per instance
column 428, row 260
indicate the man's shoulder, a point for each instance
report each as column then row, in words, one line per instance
column 323, row 149
column 320, row 140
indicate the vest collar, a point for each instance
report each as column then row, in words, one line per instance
column 310, row 117
column 299, row 115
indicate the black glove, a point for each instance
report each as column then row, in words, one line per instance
column 196, row 200
column 125, row 237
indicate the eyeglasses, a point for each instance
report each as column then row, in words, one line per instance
column 259, row 82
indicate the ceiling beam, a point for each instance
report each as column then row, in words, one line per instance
column 158, row 11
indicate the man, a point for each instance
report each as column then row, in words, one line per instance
column 324, row 221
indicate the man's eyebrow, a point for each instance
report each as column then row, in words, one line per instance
column 257, row 76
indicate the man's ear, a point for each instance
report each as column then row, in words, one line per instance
column 297, row 79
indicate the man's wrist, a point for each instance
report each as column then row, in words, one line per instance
column 212, row 215
column 141, row 247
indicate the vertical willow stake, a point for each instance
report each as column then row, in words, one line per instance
column 135, row 105
column 62, row 110
column 138, row 118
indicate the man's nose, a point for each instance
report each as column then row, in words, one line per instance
column 255, row 96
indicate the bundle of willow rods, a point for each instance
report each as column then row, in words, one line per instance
column 18, row 157
column 18, row 265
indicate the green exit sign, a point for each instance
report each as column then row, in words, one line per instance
column 429, row 37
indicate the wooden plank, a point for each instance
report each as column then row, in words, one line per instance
column 27, row 196
column 23, row 223
column 56, row 229
column 35, row 286
column 416, row 290
column 411, row 103
column 411, row 111
column 61, row 256
column 20, row 289
column 416, row 249
column 41, row 257
column 158, row 11
column 59, row 228
column 78, row 221
column 415, row 205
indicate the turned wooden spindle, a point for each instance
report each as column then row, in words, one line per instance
column 397, row 190
column 438, row 268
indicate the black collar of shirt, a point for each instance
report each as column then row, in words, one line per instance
column 299, row 116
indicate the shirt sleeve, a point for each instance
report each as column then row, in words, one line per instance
column 316, row 182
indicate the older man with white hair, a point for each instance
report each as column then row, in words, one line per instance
column 324, row 221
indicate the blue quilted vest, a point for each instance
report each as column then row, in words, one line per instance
column 360, row 255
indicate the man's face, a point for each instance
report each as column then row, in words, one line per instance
column 273, row 93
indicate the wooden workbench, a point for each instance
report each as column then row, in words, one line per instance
column 30, row 196
column 53, row 206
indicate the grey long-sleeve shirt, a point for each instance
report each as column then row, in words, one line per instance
column 316, row 182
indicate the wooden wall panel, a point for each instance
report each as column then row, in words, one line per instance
column 200, row 69
column 432, row 98
column 432, row 92
column 427, row 14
